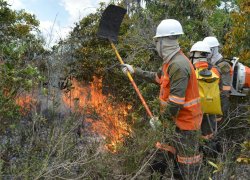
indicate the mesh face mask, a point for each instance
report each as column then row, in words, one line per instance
column 158, row 46
column 214, row 51
column 215, row 55
column 210, row 54
column 167, row 46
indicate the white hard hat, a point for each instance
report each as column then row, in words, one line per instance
column 211, row 41
column 201, row 47
column 168, row 27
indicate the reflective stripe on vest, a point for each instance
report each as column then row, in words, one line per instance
column 185, row 104
column 176, row 99
column 231, row 71
column 191, row 103
column 189, row 160
column 165, row 147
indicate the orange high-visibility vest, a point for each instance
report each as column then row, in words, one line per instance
column 190, row 116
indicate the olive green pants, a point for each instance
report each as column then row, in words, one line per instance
column 186, row 144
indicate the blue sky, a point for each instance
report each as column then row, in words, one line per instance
column 56, row 17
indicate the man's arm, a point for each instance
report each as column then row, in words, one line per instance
column 152, row 77
column 225, row 76
column 226, row 86
column 149, row 76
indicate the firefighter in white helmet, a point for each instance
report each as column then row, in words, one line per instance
column 209, row 82
column 226, row 72
column 179, row 98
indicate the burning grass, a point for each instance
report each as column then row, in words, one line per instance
column 25, row 102
column 110, row 120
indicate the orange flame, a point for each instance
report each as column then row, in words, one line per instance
column 25, row 102
column 110, row 122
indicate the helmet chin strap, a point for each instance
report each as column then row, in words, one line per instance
column 199, row 57
column 192, row 57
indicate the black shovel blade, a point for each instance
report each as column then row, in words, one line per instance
column 110, row 22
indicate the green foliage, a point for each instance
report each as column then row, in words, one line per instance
column 9, row 110
column 15, row 81
column 19, row 46
column 16, row 23
column 237, row 39
column 245, row 153
column 220, row 21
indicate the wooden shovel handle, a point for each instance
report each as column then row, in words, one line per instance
column 133, row 82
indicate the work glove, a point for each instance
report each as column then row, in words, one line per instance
column 155, row 123
column 127, row 68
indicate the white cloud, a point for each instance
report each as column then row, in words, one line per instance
column 53, row 32
column 77, row 9
column 16, row 4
